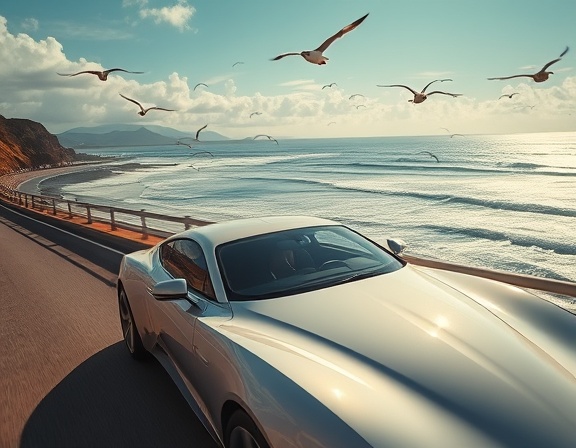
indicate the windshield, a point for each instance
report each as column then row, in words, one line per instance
column 299, row 260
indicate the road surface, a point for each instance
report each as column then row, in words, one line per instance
column 66, row 379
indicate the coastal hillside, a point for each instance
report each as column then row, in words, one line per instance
column 26, row 144
column 129, row 135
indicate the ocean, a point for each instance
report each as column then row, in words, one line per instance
column 505, row 202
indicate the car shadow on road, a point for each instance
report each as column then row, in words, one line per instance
column 111, row 400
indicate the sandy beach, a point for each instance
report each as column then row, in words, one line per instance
column 28, row 181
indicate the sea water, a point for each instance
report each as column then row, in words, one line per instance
column 505, row 202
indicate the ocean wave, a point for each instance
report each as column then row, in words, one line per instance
column 517, row 240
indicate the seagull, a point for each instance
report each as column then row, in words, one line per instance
column 332, row 122
column 430, row 154
column 102, row 75
column 359, row 106
column 198, row 131
column 541, row 76
column 355, row 95
column 185, row 144
column 316, row 56
column 255, row 113
column 452, row 135
column 420, row 97
column 142, row 110
column 202, row 152
column 200, row 84
column 509, row 96
column 329, row 85
column 264, row 135
column 236, row 63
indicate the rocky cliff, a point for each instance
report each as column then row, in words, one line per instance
column 26, row 144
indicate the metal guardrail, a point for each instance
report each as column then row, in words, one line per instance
column 117, row 218
column 139, row 221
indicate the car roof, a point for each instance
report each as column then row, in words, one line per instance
column 223, row 232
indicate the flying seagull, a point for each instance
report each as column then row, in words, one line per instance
column 332, row 122
column 198, row 131
column 509, row 96
column 430, row 154
column 541, row 76
column 267, row 136
column 359, row 106
column 355, row 95
column 452, row 135
column 200, row 84
column 179, row 142
column 142, row 110
column 316, row 56
column 329, row 85
column 202, row 152
column 420, row 97
column 102, row 75
column 255, row 113
column 236, row 63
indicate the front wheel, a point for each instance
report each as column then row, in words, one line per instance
column 242, row 432
column 129, row 330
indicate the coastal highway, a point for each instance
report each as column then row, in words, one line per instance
column 66, row 379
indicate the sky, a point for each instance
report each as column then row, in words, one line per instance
column 180, row 43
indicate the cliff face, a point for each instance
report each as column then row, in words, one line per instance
column 27, row 144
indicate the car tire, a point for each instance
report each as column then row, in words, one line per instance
column 242, row 432
column 129, row 330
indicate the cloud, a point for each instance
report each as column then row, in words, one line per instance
column 30, row 24
column 31, row 89
column 178, row 15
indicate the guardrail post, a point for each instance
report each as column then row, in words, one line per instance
column 112, row 220
column 186, row 222
column 69, row 210
column 25, row 200
column 53, row 207
column 144, row 228
column 32, row 201
column 19, row 198
column 88, row 214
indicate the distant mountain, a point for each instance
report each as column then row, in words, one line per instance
column 78, row 135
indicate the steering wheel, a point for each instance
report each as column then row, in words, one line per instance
column 331, row 264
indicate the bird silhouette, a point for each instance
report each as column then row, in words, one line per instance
column 329, row 85
column 541, row 76
column 142, row 110
column 267, row 136
column 420, row 97
column 198, row 131
column 236, row 63
column 200, row 84
column 102, row 75
column 316, row 56
column 509, row 95
column 255, row 113
column 430, row 154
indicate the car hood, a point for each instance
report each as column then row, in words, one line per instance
column 386, row 352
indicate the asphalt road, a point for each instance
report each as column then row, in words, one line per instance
column 66, row 379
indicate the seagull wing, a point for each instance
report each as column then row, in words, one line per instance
column 340, row 33
column 432, row 82
column 159, row 108
column 200, row 84
column 400, row 85
column 280, row 56
column 92, row 72
column 445, row 93
column 236, row 63
column 510, row 77
column 119, row 70
column 550, row 63
column 202, row 152
column 565, row 51
column 135, row 102
column 198, row 131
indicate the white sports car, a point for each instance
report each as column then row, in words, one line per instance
column 300, row 332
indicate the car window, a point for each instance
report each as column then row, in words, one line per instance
column 299, row 260
column 184, row 258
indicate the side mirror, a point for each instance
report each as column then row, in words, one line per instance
column 397, row 246
column 170, row 290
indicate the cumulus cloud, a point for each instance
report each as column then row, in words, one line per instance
column 30, row 88
column 177, row 15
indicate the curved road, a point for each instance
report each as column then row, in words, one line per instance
column 66, row 379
